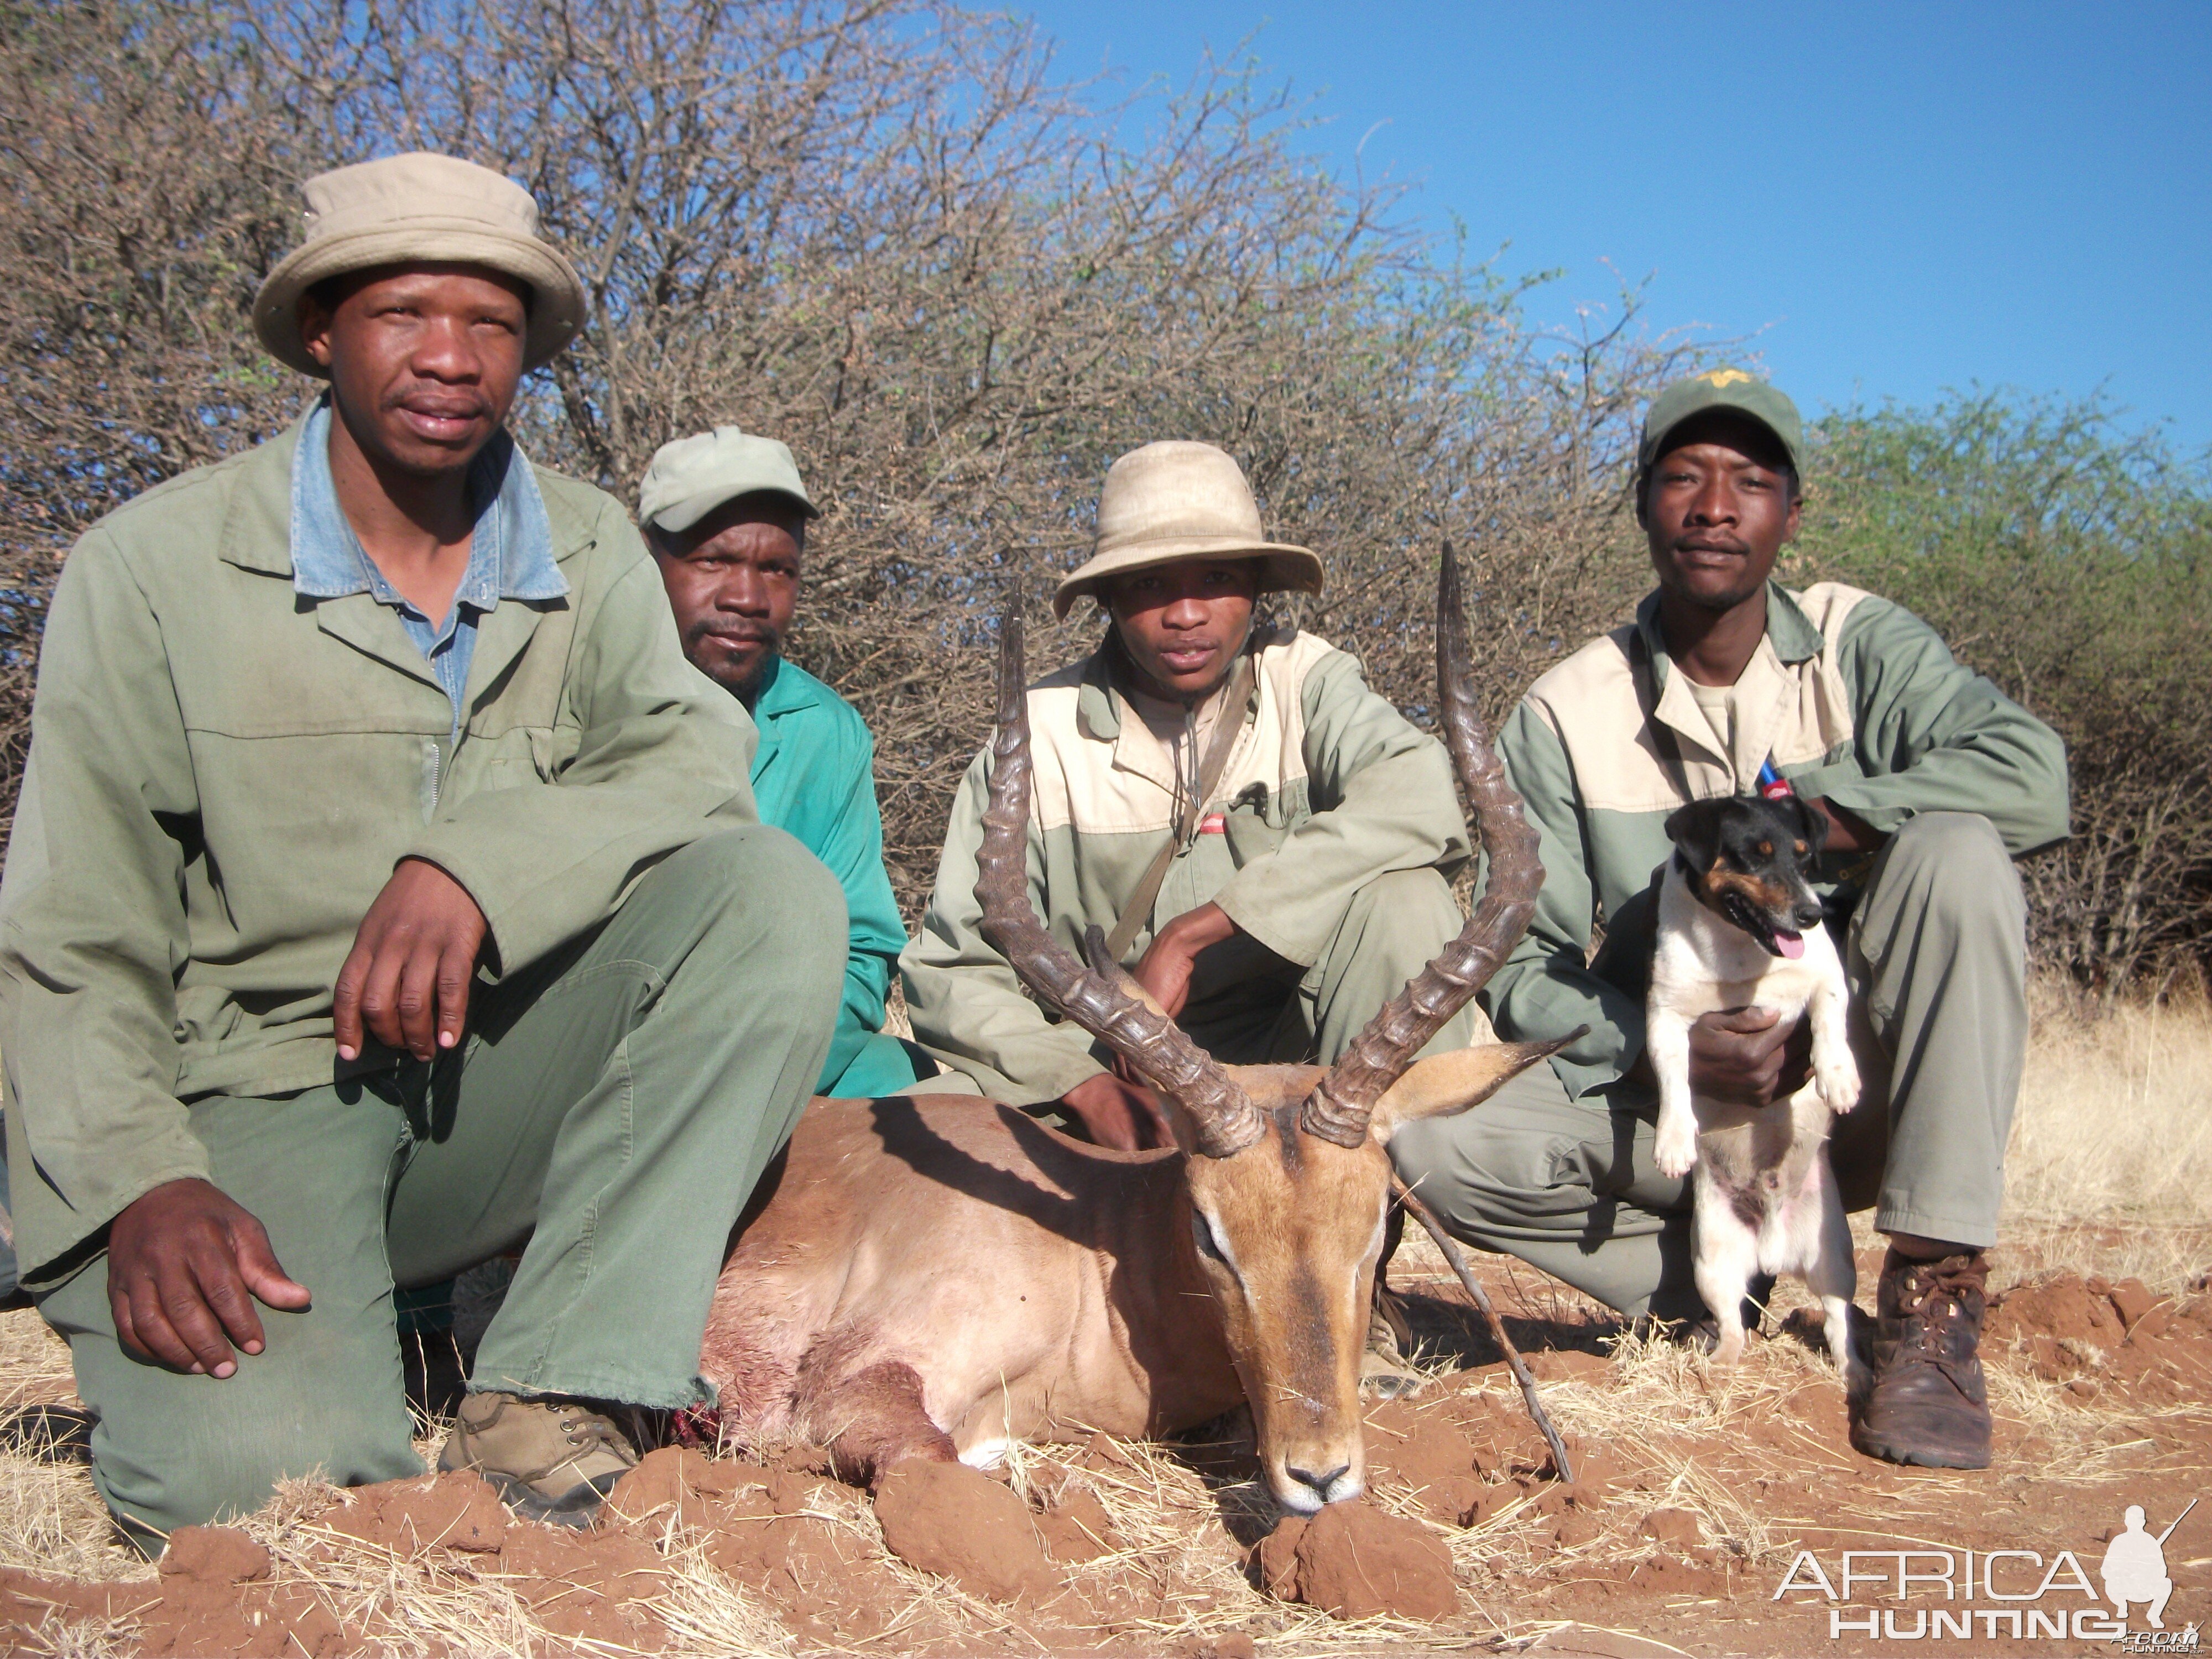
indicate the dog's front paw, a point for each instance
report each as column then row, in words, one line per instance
column 1675, row 1151
column 1838, row 1081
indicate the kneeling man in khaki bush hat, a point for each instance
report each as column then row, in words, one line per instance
column 1266, row 842
column 387, row 894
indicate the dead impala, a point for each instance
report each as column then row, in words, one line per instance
column 937, row 1275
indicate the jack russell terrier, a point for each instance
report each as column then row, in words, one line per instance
column 1739, row 924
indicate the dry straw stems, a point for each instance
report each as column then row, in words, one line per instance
column 2102, row 1180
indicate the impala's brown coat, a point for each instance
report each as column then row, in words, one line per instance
column 1039, row 1288
column 936, row 1275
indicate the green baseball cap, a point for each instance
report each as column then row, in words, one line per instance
column 690, row 477
column 1722, row 388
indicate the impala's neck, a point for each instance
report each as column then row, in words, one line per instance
column 1170, row 1325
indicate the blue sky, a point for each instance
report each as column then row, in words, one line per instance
column 1895, row 200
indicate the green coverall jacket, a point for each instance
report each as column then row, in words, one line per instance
column 223, row 774
column 1855, row 699
column 814, row 777
column 1327, row 787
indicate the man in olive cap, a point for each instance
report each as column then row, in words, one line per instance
column 387, row 894
column 1268, row 844
column 725, row 515
column 1930, row 782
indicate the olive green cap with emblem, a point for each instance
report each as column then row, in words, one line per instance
column 1730, row 389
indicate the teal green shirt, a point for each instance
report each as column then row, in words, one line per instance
column 814, row 778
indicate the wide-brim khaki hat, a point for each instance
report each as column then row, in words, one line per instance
column 421, row 208
column 1172, row 502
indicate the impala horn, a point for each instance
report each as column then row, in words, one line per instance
column 1342, row 1103
column 1225, row 1120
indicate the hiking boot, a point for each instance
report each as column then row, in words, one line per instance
column 1928, row 1404
column 549, row 1459
column 1384, row 1370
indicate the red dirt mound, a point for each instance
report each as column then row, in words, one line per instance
column 1628, row 1544
column 773, row 1530
column 210, row 1599
column 679, row 1484
column 1355, row 1562
column 454, row 1511
column 213, row 1555
column 2088, row 1332
column 948, row 1519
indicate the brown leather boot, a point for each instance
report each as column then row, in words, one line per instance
column 1928, row 1404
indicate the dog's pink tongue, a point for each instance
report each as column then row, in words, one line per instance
column 1790, row 944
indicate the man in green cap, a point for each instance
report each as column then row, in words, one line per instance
column 1930, row 782
column 386, row 894
column 1268, row 844
column 725, row 515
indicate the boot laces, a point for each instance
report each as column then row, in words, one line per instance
column 1949, row 1280
column 586, row 1428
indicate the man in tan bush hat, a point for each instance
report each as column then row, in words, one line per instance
column 386, row 894
column 1265, row 841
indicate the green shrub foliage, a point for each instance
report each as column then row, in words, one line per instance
column 893, row 233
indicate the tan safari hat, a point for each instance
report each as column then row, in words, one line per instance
column 690, row 477
column 420, row 208
column 1170, row 503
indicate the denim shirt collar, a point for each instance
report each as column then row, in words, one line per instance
column 510, row 553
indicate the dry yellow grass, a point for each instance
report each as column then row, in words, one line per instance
column 50, row 1518
column 2110, row 1170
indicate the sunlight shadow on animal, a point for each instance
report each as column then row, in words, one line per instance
column 909, row 1136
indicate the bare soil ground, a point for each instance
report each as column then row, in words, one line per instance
column 1697, row 1489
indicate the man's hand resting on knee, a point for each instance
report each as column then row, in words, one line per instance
column 408, row 975
column 185, row 1264
column 1172, row 956
column 1748, row 1057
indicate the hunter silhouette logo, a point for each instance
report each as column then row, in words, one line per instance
column 2135, row 1567
column 2009, row 1594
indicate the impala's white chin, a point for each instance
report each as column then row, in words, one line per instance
column 1300, row 1499
column 987, row 1454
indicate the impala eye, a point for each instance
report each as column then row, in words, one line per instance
column 1201, row 1233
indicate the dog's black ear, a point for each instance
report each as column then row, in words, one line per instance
column 1813, row 824
column 1696, row 830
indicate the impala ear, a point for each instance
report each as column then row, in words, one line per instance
column 1447, row 1083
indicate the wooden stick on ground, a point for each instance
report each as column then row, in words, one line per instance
column 1453, row 1254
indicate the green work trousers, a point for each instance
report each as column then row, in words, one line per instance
column 1249, row 1006
column 1936, row 957
column 613, row 1106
